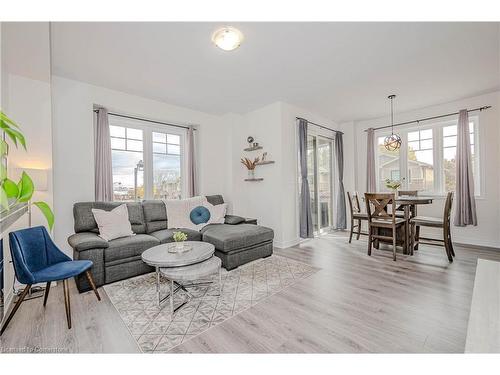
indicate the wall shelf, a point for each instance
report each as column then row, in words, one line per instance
column 254, row 179
column 265, row 162
column 253, row 148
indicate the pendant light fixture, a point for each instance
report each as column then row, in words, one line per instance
column 392, row 142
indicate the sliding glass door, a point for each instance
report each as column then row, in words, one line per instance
column 320, row 177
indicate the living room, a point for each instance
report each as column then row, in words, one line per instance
column 250, row 187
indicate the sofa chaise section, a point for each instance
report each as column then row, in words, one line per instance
column 239, row 244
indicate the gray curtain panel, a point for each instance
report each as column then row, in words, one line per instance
column 371, row 182
column 465, row 203
column 306, row 225
column 341, row 222
column 102, row 159
column 192, row 179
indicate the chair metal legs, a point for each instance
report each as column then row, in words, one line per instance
column 47, row 290
column 16, row 307
column 67, row 303
column 92, row 284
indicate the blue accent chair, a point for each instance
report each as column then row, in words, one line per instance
column 37, row 259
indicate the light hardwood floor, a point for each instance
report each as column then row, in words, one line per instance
column 355, row 303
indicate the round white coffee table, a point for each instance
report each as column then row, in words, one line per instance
column 160, row 258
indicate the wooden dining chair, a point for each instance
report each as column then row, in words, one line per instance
column 435, row 222
column 356, row 214
column 413, row 209
column 381, row 211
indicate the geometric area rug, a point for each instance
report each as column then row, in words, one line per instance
column 156, row 331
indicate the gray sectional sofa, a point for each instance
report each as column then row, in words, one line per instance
column 236, row 242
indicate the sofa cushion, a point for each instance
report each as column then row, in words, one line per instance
column 228, row 238
column 165, row 235
column 215, row 199
column 127, row 247
column 86, row 241
column 155, row 215
column 85, row 221
column 234, row 219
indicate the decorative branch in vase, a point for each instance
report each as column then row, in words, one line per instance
column 11, row 193
column 250, row 166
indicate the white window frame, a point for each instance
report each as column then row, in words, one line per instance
column 437, row 139
column 147, row 149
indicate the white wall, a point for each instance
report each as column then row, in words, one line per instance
column 487, row 232
column 72, row 105
column 25, row 91
column 273, row 201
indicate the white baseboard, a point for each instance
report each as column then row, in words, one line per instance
column 285, row 244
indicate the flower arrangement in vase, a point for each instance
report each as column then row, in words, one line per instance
column 179, row 238
column 394, row 185
column 250, row 166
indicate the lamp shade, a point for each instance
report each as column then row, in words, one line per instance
column 38, row 176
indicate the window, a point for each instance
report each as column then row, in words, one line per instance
column 449, row 156
column 127, row 162
column 166, row 166
column 420, row 160
column 147, row 161
column 388, row 164
column 426, row 159
column 320, row 176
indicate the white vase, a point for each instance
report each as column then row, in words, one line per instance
column 179, row 246
column 251, row 174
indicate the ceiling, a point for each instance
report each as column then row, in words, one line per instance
column 343, row 71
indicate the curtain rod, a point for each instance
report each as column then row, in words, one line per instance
column 321, row 126
column 431, row 118
column 146, row 120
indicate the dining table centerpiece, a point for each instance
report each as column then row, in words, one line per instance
column 394, row 185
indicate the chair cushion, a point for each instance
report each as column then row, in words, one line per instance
column 127, row 247
column 228, row 238
column 427, row 221
column 388, row 221
column 360, row 215
column 166, row 235
column 62, row 270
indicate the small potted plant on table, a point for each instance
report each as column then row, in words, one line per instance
column 179, row 238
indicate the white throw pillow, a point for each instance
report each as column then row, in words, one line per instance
column 217, row 212
column 178, row 211
column 113, row 224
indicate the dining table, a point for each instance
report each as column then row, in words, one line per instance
column 406, row 202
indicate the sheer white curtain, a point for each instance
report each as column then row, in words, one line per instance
column 371, row 182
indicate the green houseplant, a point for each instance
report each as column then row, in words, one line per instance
column 179, row 238
column 12, row 193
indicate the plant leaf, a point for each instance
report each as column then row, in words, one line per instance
column 14, row 135
column 4, row 201
column 4, row 148
column 10, row 188
column 47, row 212
column 9, row 121
column 3, row 171
column 25, row 187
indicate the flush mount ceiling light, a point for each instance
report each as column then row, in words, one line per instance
column 393, row 141
column 227, row 38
